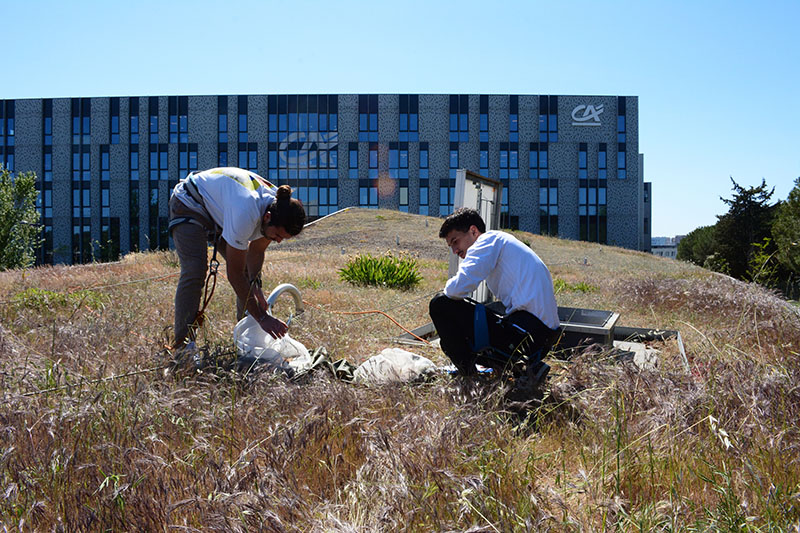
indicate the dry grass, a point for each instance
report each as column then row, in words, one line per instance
column 610, row 447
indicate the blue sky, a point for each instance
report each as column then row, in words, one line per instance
column 718, row 82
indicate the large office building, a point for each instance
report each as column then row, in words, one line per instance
column 570, row 165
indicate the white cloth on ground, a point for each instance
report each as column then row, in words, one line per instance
column 394, row 364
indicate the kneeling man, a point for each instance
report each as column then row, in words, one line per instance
column 517, row 278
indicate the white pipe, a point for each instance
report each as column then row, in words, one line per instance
column 280, row 289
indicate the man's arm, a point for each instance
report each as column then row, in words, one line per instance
column 479, row 262
column 255, row 257
column 239, row 264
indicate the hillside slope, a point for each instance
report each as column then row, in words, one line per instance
column 97, row 435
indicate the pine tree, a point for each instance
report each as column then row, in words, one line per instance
column 748, row 221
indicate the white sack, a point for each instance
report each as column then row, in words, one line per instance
column 284, row 353
column 393, row 364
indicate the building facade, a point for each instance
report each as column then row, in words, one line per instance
column 570, row 165
column 666, row 246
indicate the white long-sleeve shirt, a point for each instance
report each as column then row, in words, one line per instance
column 513, row 272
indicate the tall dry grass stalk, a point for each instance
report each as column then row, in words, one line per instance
column 610, row 447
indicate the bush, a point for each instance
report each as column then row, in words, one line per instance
column 384, row 271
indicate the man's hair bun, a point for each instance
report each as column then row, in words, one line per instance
column 287, row 212
column 284, row 193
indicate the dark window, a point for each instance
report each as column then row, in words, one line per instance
column 582, row 168
column 178, row 119
column 353, row 161
column 602, row 162
column 81, row 120
column 548, row 118
column 82, row 251
column 133, row 110
column 548, row 189
column 459, row 118
column 484, row 120
column 409, row 117
column 592, row 211
column 368, row 117
column 187, row 159
column 159, row 171
column 513, row 118
column 538, row 164
column 133, row 198
column 423, row 178
column 373, row 161
column 47, row 124
column 248, row 156
column 242, row 120
column 153, row 119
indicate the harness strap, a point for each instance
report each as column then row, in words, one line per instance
column 193, row 191
column 211, row 280
column 183, row 220
column 480, row 328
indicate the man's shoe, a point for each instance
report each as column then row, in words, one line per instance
column 188, row 354
column 538, row 373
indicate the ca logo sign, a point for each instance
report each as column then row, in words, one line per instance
column 586, row 115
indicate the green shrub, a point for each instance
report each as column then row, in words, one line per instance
column 384, row 271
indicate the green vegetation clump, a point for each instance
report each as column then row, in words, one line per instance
column 383, row 271
column 560, row 285
column 43, row 300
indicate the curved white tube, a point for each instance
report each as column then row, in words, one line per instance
column 280, row 289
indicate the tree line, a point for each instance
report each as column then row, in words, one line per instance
column 756, row 240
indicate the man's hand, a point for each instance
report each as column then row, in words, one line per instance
column 275, row 327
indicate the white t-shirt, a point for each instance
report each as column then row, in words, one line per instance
column 234, row 198
column 513, row 272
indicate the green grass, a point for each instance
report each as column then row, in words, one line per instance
column 43, row 300
column 559, row 285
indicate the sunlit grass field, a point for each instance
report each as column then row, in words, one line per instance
column 99, row 432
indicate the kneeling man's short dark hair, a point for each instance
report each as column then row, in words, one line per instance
column 460, row 220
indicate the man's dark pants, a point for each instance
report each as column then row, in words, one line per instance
column 454, row 322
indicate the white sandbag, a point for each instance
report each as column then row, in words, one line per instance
column 252, row 342
column 393, row 364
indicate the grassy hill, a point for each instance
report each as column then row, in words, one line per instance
column 96, row 435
